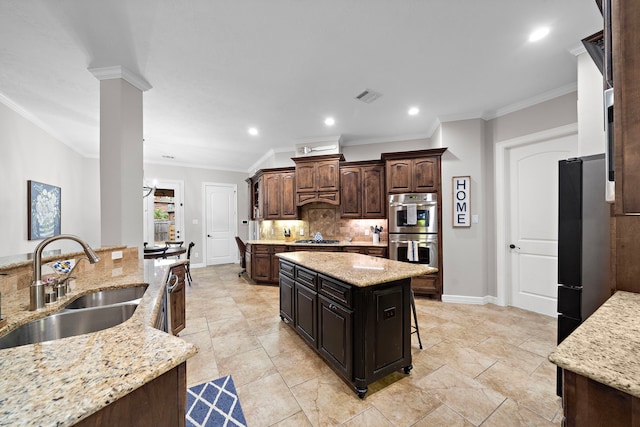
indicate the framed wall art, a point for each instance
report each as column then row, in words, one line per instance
column 44, row 208
column 461, row 201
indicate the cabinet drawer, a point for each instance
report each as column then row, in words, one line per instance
column 335, row 290
column 260, row 249
column 379, row 252
column 277, row 249
column 306, row 277
column 286, row 269
column 425, row 284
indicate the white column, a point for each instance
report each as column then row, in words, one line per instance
column 121, row 161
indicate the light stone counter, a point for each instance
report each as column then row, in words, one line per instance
column 356, row 269
column 606, row 346
column 58, row 383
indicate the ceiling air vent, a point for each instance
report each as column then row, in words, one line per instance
column 368, row 96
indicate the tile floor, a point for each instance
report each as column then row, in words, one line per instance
column 481, row 365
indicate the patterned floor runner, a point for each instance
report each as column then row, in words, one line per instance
column 214, row 404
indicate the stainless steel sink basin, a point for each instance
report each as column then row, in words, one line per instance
column 68, row 324
column 107, row 297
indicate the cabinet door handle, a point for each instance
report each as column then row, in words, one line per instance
column 332, row 307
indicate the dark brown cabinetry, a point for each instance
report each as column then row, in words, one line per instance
column 279, row 195
column 318, row 179
column 419, row 175
column 159, row 403
column 362, row 190
column 378, row 251
column 177, row 299
column 363, row 333
column 273, row 194
column 261, row 262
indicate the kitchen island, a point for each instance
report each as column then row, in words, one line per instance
column 81, row 379
column 353, row 309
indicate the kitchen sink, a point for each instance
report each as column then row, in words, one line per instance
column 107, row 297
column 67, row 324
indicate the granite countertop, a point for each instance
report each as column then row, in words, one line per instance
column 60, row 382
column 605, row 347
column 13, row 261
column 357, row 269
column 341, row 243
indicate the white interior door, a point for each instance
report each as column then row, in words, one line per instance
column 221, row 224
column 532, row 233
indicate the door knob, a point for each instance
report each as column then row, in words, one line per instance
column 208, row 235
column 512, row 246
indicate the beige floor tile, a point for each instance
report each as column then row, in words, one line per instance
column 299, row 419
column 299, row 366
column 201, row 339
column 281, row 341
column 234, row 343
column 517, row 357
column 267, row 401
column 369, row 418
column 197, row 324
column 247, row 367
column 539, row 346
column 328, row 401
column 403, row 404
column 462, row 358
column 443, row 416
column 228, row 326
column 202, row 368
column 469, row 398
column 510, row 414
column 536, row 394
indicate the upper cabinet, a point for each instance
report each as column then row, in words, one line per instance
column 362, row 191
column 413, row 171
column 273, row 194
column 318, row 179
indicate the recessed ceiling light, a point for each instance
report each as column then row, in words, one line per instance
column 538, row 34
column 253, row 131
column 413, row 111
column 329, row 121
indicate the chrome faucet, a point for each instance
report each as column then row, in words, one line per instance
column 36, row 299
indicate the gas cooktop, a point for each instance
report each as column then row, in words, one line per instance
column 326, row 242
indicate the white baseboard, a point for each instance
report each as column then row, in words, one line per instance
column 462, row 299
column 199, row 265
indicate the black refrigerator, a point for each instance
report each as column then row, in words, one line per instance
column 583, row 243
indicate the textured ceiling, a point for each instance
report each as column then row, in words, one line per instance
column 219, row 67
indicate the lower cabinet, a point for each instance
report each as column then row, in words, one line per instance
column 177, row 299
column 159, row 403
column 363, row 333
column 429, row 285
column 334, row 334
column 262, row 264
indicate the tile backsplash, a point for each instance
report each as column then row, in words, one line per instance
column 326, row 219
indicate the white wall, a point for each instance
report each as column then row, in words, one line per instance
column 193, row 179
column 464, row 248
column 591, row 138
column 30, row 153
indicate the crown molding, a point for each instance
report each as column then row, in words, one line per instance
column 120, row 72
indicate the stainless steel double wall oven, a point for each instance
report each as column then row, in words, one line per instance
column 413, row 228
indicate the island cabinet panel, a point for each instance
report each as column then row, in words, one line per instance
column 161, row 402
column 334, row 335
column 286, row 297
column 305, row 316
column 362, row 332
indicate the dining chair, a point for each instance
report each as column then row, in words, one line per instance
column 243, row 249
column 187, row 266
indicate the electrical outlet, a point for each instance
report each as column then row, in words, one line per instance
column 116, row 255
column 366, row 231
column 196, row 254
column 302, row 231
